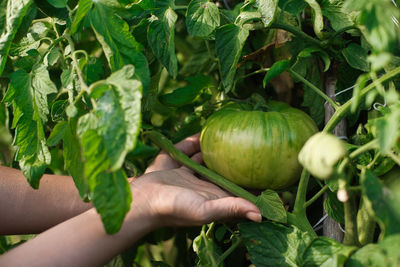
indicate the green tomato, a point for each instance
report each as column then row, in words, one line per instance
column 256, row 149
column 321, row 153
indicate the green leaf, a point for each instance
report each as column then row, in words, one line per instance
column 28, row 94
column 17, row 9
column 57, row 134
column 111, row 193
column 206, row 248
column 3, row 13
column 119, row 127
column 276, row 69
column 292, row 6
column 388, row 130
column 317, row 17
column 118, row 44
column 112, row 198
column 230, row 40
column 376, row 22
column 267, row 9
column 58, row 3
column 326, row 252
column 161, row 38
column 42, row 86
column 92, row 69
column 202, row 17
column 188, row 94
column 84, row 7
column 384, row 253
column 197, row 63
column 334, row 207
column 382, row 203
column 271, row 206
column 33, row 168
column 58, row 110
column 356, row 56
column 308, row 68
column 33, row 154
column 74, row 161
column 338, row 17
column 274, row 244
column 308, row 51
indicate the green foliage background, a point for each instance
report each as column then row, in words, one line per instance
column 82, row 82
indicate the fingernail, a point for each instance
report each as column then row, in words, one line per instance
column 254, row 216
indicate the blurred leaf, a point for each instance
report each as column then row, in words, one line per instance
column 267, row 9
column 202, row 17
column 230, row 40
column 356, row 56
column 84, row 7
column 73, row 157
column 308, row 68
column 292, row 6
column 57, row 134
column 52, row 57
column 188, row 94
column 42, row 86
column 334, row 207
column 275, row 244
column 197, row 63
column 326, row 252
column 382, row 203
column 271, row 206
column 161, row 38
column 308, row 51
column 92, row 69
column 384, row 253
column 119, row 46
column 375, row 18
column 388, row 130
column 3, row 13
column 206, row 249
column 333, row 10
column 276, row 69
column 58, row 3
column 17, row 10
column 317, row 17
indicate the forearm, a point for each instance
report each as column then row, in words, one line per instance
column 80, row 241
column 26, row 210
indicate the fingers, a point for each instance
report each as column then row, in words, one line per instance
column 230, row 207
column 163, row 161
column 189, row 145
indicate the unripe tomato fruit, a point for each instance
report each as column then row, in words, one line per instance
column 256, row 149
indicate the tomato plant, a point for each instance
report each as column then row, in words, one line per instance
column 129, row 76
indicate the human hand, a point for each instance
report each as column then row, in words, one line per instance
column 170, row 195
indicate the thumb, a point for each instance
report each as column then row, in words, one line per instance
column 231, row 207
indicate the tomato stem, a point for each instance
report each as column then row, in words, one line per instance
column 344, row 109
column 350, row 218
column 301, row 193
column 296, row 32
column 165, row 144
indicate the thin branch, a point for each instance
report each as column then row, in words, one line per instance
column 316, row 196
column 314, row 88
